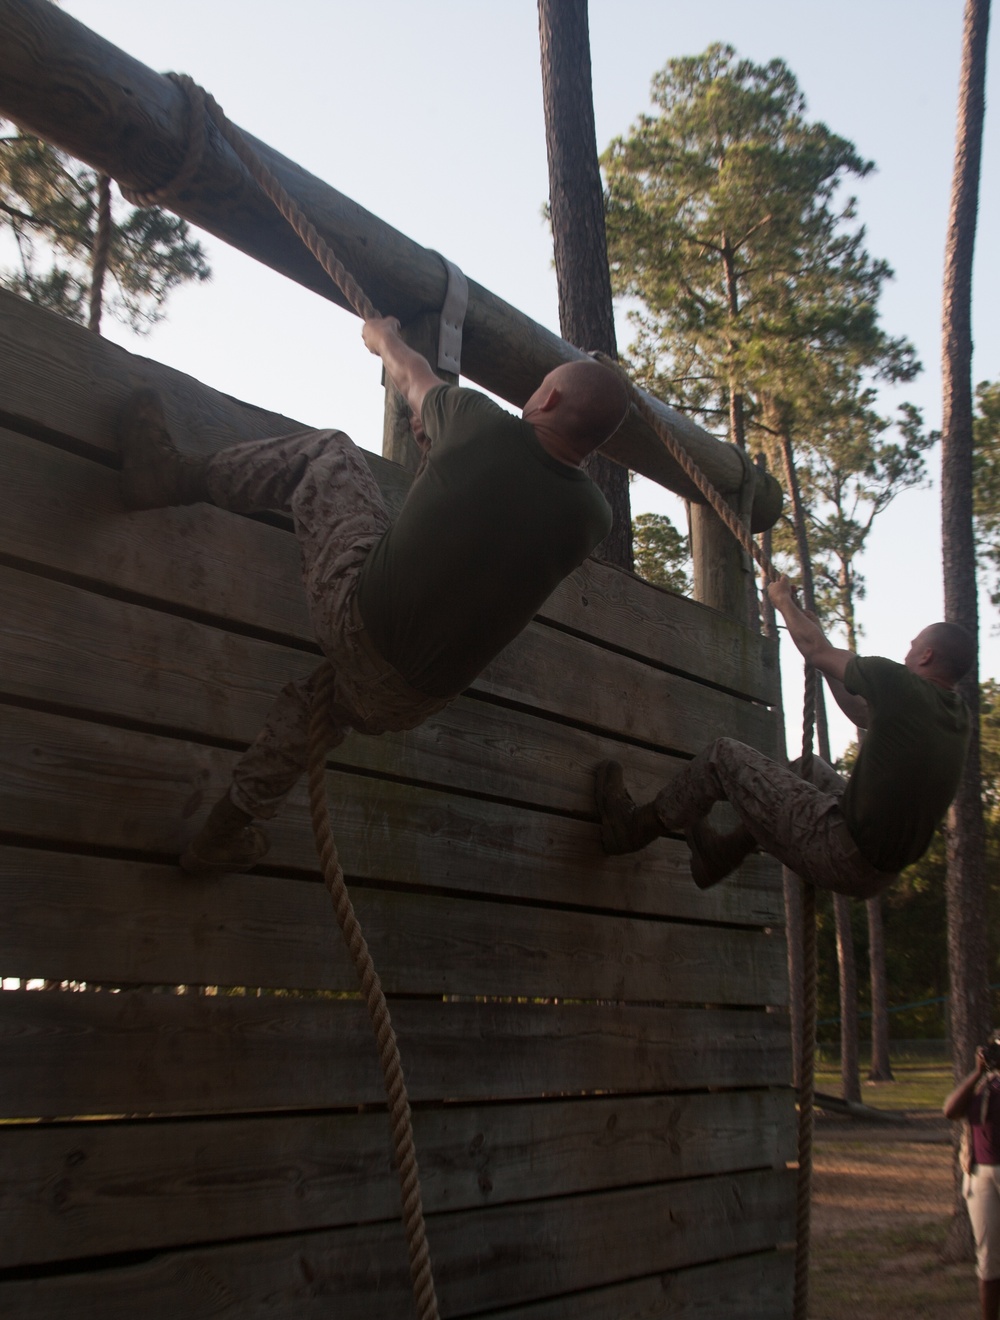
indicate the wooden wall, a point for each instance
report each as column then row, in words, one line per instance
column 597, row 1053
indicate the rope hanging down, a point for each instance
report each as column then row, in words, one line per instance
column 806, row 1085
column 201, row 106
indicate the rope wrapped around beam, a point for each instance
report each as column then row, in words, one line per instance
column 203, row 106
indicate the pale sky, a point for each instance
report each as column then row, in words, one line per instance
column 430, row 115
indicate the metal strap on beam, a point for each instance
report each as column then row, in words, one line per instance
column 453, row 309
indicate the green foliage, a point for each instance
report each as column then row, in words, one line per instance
column 48, row 208
column 850, row 472
column 986, row 478
column 662, row 554
column 721, row 220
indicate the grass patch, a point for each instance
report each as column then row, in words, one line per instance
column 918, row 1086
column 882, row 1274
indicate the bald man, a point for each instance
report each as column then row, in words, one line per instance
column 406, row 612
column 853, row 836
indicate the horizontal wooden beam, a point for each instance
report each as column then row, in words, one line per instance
column 68, row 85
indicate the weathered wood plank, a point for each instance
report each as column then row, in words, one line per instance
column 88, row 919
column 67, row 646
column 545, row 668
column 606, row 603
column 61, row 389
column 491, row 1259
column 69, row 1054
column 72, row 782
column 749, row 1288
column 76, row 1190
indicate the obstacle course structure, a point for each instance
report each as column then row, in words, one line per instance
column 596, row 1052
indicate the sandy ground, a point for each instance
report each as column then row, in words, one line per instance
column 907, row 1177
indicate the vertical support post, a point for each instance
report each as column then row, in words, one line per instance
column 398, row 443
column 720, row 571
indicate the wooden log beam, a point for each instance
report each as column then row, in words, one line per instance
column 68, row 85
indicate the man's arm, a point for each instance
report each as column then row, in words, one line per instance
column 409, row 370
column 853, row 706
column 810, row 640
column 957, row 1104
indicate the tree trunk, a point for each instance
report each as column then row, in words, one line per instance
column 576, row 210
column 881, row 1065
column 967, row 954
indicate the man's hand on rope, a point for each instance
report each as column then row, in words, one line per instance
column 780, row 593
column 376, row 332
column 408, row 370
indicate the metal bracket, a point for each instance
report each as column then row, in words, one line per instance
column 456, row 301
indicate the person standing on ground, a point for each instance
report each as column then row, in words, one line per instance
column 406, row 612
column 976, row 1100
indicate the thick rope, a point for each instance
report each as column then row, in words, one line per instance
column 805, row 1082
column 320, row 736
column 100, row 253
column 201, row 106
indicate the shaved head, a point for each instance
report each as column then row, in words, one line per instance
column 592, row 403
column 953, row 650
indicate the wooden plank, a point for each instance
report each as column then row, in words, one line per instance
column 606, row 603
column 69, row 385
column 74, row 648
column 77, row 784
column 495, row 1258
column 750, row 1288
column 76, row 1190
column 86, row 919
column 544, row 668
column 138, row 1053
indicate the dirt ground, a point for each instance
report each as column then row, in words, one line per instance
column 882, row 1202
column 875, row 1175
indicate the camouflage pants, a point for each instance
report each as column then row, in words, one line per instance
column 321, row 479
column 797, row 821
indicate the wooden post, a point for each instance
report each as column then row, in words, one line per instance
column 397, row 439
column 68, row 85
column 720, row 571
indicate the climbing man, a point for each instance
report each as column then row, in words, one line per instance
column 406, row 612
column 852, row 837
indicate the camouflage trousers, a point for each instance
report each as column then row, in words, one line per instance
column 321, row 479
column 797, row 821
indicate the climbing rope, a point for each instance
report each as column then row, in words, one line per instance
column 805, row 1082
column 202, row 106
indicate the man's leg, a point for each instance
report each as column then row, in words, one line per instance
column 262, row 779
column 322, row 479
column 989, row 1298
column 786, row 816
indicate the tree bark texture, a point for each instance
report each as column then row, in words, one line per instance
column 881, row 1064
column 576, row 211
column 967, row 954
column 850, row 1077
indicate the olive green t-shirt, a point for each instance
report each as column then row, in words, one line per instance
column 489, row 528
column 909, row 764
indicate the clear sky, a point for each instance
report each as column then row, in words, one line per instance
column 430, row 115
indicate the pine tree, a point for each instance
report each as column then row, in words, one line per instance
column 50, row 209
column 759, row 298
column 966, row 843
